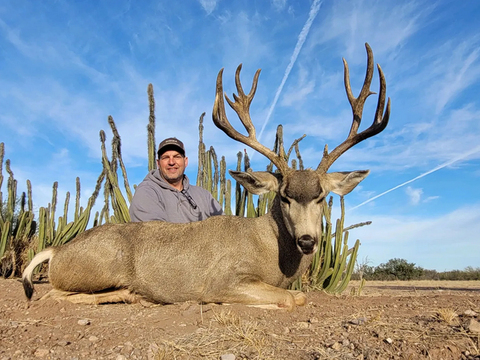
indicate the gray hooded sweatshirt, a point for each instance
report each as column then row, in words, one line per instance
column 155, row 199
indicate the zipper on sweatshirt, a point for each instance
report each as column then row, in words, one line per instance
column 189, row 198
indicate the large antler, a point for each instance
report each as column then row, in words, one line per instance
column 242, row 108
column 379, row 123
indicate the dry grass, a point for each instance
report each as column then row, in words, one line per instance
column 417, row 327
column 226, row 333
column 247, row 339
column 449, row 316
column 403, row 323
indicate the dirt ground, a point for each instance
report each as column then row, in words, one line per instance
column 389, row 320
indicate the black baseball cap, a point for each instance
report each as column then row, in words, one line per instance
column 171, row 144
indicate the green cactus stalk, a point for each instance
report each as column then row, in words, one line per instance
column 358, row 291
column 228, row 198
column 114, row 161
column 60, row 227
column 265, row 202
column 29, row 194
column 2, row 155
column 65, row 209
column 101, row 217
column 216, row 175
column 24, row 226
column 15, row 226
column 12, row 193
column 119, row 204
column 340, row 263
column 48, row 228
column 201, row 152
column 77, row 200
column 238, row 188
column 30, row 254
column 19, row 226
column 51, row 224
column 23, row 201
column 262, row 204
column 244, row 193
column 117, row 150
column 106, row 195
column 323, row 259
column 278, row 146
column 223, row 180
column 4, row 238
column 293, row 164
column 355, row 226
column 42, row 229
column 151, row 130
column 251, row 211
column 120, row 207
column 343, row 273
column 207, row 171
column 337, row 243
column 350, row 268
column 76, row 227
column 297, row 151
column 125, row 180
column 95, row 220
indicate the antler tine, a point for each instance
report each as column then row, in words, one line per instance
column 241, row 105
column 242, row 101
column 380, row 120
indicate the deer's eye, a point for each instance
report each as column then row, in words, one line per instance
column 285, row 200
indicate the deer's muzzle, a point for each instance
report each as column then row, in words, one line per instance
column 307, row 244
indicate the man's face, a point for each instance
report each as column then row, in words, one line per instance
column 172, row 166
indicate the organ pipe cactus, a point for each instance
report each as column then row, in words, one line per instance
column 201, row 151
column 332, row 265
column 117, row 155
column 119, row 205
column 15, row 225
column 151, row 131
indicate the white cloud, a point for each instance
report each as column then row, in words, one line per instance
column 448, row 79
column 208, row 5
column 351, row 25
column 279, row 5
column 297, row 94
column 414, row 194
column 431, row 198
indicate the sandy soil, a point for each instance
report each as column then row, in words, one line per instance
column 389, row 320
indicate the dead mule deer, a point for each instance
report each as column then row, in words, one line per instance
column 224, row 259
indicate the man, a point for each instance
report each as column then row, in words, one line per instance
column 166, row 194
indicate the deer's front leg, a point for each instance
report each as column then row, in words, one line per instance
column 259, row 294
column 300, row 297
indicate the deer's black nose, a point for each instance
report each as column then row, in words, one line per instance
column 307, row 243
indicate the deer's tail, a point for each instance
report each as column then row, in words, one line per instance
column 42, row 256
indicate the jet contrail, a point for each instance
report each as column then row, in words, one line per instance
column 450, row 162
column 301, row 39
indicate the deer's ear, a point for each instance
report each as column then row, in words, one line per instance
column 256, row 182
column 341, row 183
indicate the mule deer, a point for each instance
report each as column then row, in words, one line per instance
column 224, row 259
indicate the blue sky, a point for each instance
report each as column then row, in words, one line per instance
column 65, row 66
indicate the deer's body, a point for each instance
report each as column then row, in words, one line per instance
column 168, row 263
column 224, row 259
